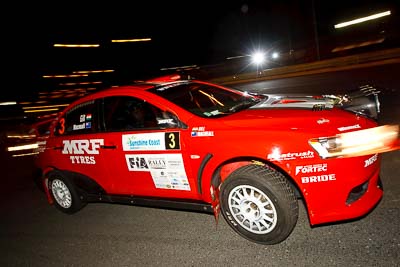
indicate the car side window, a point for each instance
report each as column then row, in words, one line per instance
column 125, row 113
column 80, row 119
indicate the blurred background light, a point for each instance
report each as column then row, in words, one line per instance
column 131, row 40
column 77, row 45
column 363, row 19
column 8, row 103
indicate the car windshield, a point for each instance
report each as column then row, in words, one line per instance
column 206, row 100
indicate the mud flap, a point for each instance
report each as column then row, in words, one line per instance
column 46, row 190
column 214, row 190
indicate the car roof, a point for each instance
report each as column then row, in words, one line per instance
column 144, row 85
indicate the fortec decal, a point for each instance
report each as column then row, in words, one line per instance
column 370, row 161
column 276, row 155
column 312, row 168
column 80, row 149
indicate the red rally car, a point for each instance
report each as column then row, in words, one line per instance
column 199, row 146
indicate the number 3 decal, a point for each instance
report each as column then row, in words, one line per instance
column 61, row 128
column 172, row 140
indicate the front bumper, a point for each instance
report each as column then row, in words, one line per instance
column 362, row 204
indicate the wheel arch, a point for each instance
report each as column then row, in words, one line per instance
column 227, row 167
column 84, row 184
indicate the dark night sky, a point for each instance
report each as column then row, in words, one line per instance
column 183, row 33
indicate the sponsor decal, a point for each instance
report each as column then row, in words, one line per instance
column 201, row 132
column 231, row 219
column 88, row 117
column 370, row 161
column 88, row 125
column 160, row 89
column 312, row 168
column 318, row 178
column 151, row 141
column 83, row 148
column 82, row 118
column 291, row 155
column 165, row 121
column 166, row 170
column 157, row 163
column 78, row 126
column 137, row 163
column 322, row 121
column 351, row 127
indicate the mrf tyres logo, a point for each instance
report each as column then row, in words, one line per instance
column 81, row 149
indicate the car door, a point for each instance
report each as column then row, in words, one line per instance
column 77, row 145
column 148, row 158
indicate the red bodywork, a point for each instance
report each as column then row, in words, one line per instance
column 211, row 148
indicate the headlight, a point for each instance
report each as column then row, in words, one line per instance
column 358, row 143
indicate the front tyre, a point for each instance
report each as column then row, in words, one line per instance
column 259, row 204
column 64, row 193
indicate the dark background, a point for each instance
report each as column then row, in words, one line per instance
column 184, row 33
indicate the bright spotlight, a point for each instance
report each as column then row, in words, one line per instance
column 275, row 55
column 258, row 58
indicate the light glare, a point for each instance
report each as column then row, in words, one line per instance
column 359, row 143
column 40, row 110
column 76, row 45
column 258, row 58
column 131, row 40
column 23, row 147
column 8, row 103
column 65, row 76
column 363, row 19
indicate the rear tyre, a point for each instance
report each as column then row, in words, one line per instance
column 64, row 193
column 259, row 204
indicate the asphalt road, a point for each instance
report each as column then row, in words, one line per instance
column 33, row 233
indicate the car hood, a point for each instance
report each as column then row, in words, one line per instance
column 330, row 121
column 325, row 113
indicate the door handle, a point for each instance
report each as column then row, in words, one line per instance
column 109, row 147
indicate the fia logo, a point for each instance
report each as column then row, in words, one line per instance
column 138, row 163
